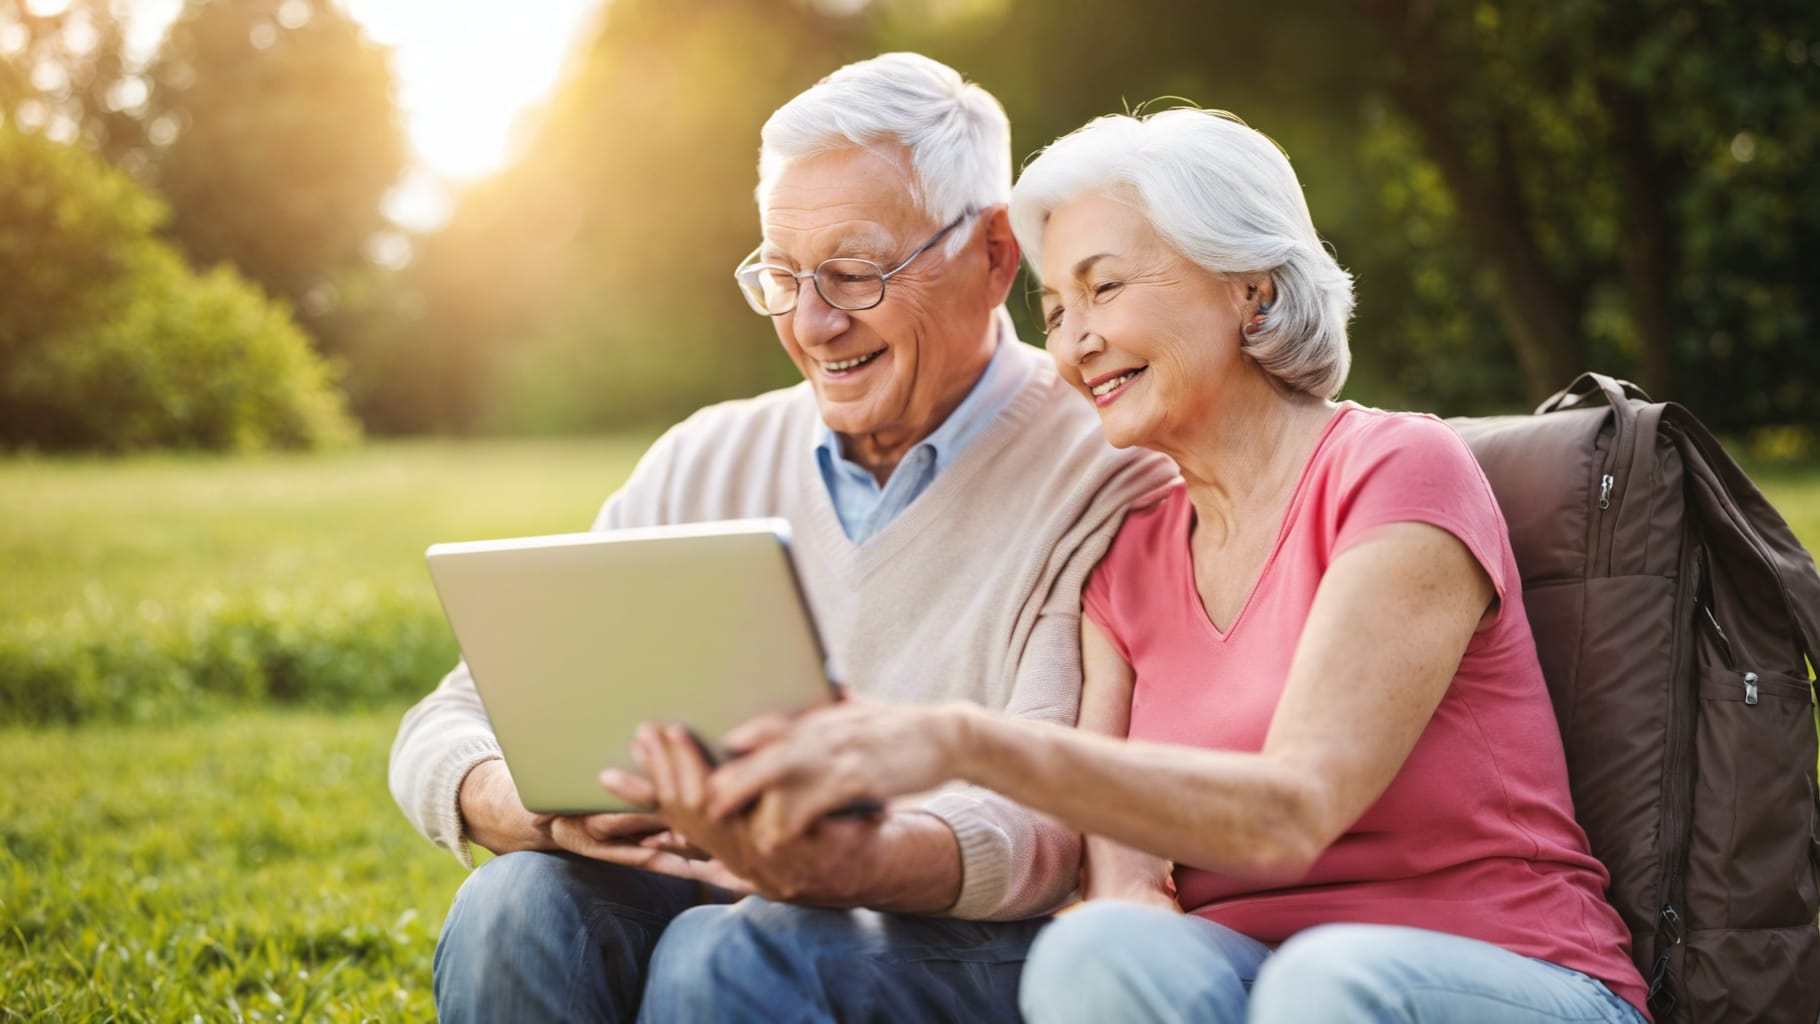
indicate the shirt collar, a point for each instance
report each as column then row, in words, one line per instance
column 961, row 422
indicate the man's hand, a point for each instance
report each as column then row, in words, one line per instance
column 496, row 820
column 840, row 862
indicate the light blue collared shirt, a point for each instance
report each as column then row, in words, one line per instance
column 863, row 506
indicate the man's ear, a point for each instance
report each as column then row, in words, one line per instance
column 1002, row 251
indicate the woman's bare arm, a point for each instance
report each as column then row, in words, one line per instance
column 1390, row 622
column 1110, row 869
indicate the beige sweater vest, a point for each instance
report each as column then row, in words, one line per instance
column 972, row 592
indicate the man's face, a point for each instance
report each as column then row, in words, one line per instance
column 885, row 376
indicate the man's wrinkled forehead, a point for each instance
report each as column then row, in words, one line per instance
column 864, row 239
column 845, row 202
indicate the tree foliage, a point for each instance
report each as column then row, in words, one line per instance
column 590, row 286
column 278, row 139
column 109, row 341
column 66, row 74
column 1522, row 190
column 1626, row 181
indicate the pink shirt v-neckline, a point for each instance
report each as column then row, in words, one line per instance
column 1276, row 546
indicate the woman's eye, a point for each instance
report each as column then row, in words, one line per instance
column 1108, row 288
column 1053, row 320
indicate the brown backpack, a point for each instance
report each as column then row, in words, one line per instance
column 1675, row 616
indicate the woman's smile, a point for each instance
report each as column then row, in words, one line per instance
column 1107, row 389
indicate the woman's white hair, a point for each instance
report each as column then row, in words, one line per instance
column 1223, row 194
column 956, row 133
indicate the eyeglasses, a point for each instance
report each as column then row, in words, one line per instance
column 843, row 282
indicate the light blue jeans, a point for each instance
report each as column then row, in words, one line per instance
column 555, row 937
column 764, row 961
column 1121, row 961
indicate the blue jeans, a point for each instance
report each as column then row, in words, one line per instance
column 1121, row 961
column 555, row 937
column 764, row 961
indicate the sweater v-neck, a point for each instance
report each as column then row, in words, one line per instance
column 1221, row 636
column 930, row 506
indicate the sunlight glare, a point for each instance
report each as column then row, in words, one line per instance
column 468, row 69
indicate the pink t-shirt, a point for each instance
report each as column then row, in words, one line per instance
column 1476, row 834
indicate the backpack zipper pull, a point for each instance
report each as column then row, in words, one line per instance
column 1673, row 919
column 1750, row 687
column 1605, row 483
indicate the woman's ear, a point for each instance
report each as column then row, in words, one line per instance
column 1261, row 293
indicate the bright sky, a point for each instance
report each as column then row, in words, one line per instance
column 467, row 70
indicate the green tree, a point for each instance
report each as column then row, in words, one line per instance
column 67, row 74
column 278, row 140
column 589, row 286
column 1630, row 178
column 108, row 340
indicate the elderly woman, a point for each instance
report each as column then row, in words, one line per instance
column 1338, row 731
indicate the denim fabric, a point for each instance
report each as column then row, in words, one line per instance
column 555, row 937
column 1120, row 961
column 764, row 961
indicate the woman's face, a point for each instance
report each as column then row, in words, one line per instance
column 1147, row 336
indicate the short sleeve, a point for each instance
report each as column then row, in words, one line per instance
column 1412, row 468
column 1097, row 603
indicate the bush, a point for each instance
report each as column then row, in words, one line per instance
column 109, row 341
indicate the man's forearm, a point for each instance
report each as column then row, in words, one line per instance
column 915, row 867
column 491, row 814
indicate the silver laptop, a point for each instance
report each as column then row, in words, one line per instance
column 575, row 639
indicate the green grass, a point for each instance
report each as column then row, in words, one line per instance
column 152, row 588
column 146, row 536
column 251, row 867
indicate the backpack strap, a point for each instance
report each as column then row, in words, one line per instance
column 1616, row 392
column 1764, row 528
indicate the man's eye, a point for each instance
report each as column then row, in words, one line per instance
column 1108, row 288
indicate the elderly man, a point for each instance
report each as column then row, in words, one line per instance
column 948, row 499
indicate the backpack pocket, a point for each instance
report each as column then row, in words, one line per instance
column 1750, row 860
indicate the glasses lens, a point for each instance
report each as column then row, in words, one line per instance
column 850, row 284
column 776, row 290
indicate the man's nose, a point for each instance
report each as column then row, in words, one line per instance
column 815, row 321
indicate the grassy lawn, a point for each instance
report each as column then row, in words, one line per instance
column 249, row 864
column 251, row 867
column 146, row 537
column 155, row 588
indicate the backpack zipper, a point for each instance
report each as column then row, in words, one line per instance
column 1675, row 811
column 1605, row 483
column 1750, row 678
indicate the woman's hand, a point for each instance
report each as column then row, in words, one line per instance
column 831, row 758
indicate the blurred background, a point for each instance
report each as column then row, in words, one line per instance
column 480, row 218
column 291, row 288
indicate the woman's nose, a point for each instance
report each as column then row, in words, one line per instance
column 1072, row 346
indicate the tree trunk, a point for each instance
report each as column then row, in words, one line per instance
column 1645, row 238
column 1541, row 312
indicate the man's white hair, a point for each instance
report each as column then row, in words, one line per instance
column 1223, row 194
column 956, row 133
